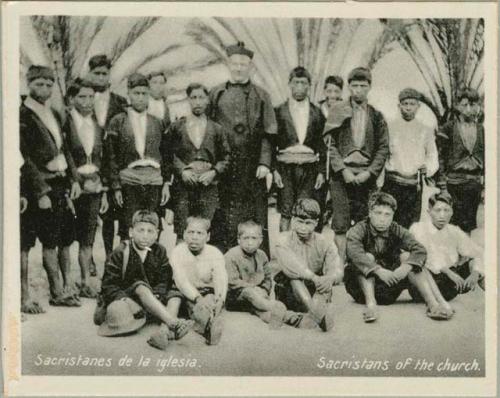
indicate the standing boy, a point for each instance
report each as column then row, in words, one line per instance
column 250, row 279
column 246, row 113
column 138, row 270
column 201, row 156
column 85, row 143
column 413, row 157
column 45, row 151
column 377, row 272
column 139, row 169
column 301, row 159
column 359, row 148
column 333, row 93
column 309, row 268
column 157, row 101
column 200, row 275
column 107, row 105
column 454, row 260
column 461, row 156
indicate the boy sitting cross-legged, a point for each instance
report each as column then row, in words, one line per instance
column 138, row 270
column 200, row 275
column 453, row 258
column 384, row 259
column 250, row 279
column 309, row 267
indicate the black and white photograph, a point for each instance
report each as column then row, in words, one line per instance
column 210, row 193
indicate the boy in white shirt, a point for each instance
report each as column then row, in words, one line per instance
column 413, row 156
column 453, row 259
column 200, row 276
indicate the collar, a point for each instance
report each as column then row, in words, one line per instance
column 298, row 104
column 196, row 119
column 355, row 105
column 79, row 119
column 247, row 255
column 431, row 228
column 134, row 113
column 376, row 234
column 103, row 94
column 35, row 105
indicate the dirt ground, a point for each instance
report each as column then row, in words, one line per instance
column 64, row 341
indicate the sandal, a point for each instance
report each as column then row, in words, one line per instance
column 439, row 314
column 213, row 331
column 68, row 301
column 160, row 339
column 370, row 315
column 182, row 328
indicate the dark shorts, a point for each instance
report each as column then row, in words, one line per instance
column 55, row 226
column 284, row 292
column 384, row 295
column 87, row 211
column 298, row 183
column 28, row 226
column 466, row 200
column 349, row 202
column 137, row 197
column 409, row 201
column 193, row 201
column 445, row 284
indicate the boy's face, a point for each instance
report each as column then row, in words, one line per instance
column 250, row 240
column 100, row 77
column 84, row 101
column 467, row 109
column 408, row 108
column 359, row 90
column 139, row 98
column 333, row 93
column 143, row 234
column 239, row 67
column 299, row 87
column 304, row 227
column 381, row 217
column 440, row 214
column 157, row 86
column 198, row 101
column 41, row 89
column 196, row 236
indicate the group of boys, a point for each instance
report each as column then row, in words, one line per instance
column 125, row 160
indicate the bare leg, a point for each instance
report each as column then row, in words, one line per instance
column 154, row 306
column 27, row 305
column 301, row 292
column 284, row 224
column 173, row 306
column 341, row 242
column 257, row 298
column 368, row 288
column 51, row 265
column 421, row 282
column 437, row 293
column 85, row 261
column 65, row 266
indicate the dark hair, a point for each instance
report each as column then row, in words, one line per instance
column 382, row 199
column 137, row 80
column 360, row 74
column 242, row 226
column 306, row 209
column 157, row 73
column 196, row 86
column 205, row 221
column 468, row 93
column 76, row 85
column 99, row 60
column 335, row 80
column 440, row 197
column 299, row 72
column 145, row 216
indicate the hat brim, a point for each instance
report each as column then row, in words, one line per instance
column 106, row 331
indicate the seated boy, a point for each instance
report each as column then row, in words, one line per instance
column 453, row 258
column 378, row 271
column 250, row 279
column 200, row 275
column 309, row 267
column 139, row 270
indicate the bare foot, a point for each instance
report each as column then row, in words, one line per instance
column 31, row 307
column 87, row 292
column 370, row 314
